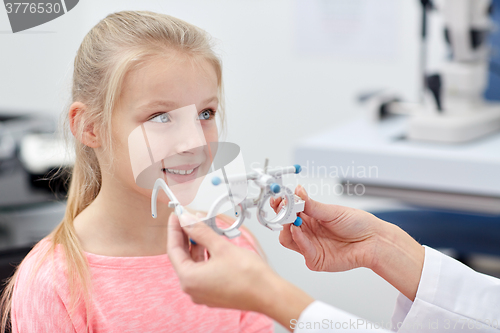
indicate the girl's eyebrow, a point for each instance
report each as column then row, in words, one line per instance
column 154, row 104
column 211, row 99
column 172, row 105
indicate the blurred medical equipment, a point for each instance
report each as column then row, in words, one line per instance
column 43, row 152
column 270, row 184
column 441, row 153
column 31, row 204
column 452, row 108
column 28, row 151
column 409, row 146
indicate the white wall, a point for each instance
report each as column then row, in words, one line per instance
column 36, row 65
column 276, row 95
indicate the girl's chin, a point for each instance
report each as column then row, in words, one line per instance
column 183, row 193
column 186, row 193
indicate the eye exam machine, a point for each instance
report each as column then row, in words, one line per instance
column 440, row 155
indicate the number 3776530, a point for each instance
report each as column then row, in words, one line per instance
column 32, row 7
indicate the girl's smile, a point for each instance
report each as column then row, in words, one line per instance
column 182, row 173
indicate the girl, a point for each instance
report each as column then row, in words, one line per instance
column 105, row 267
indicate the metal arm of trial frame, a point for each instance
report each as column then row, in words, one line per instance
column 174, row 203
column 270, row 184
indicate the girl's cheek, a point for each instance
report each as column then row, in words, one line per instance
column 210, row 128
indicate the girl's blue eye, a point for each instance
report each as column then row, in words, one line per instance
column 161, row 118
column 207, row 114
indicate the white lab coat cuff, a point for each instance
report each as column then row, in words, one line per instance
column 321, row 317
column 405, row 310
column 450, row 297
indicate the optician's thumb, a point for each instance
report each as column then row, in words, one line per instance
column 318, row 210
column 201, row 233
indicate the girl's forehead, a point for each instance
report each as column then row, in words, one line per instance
column 178, row 79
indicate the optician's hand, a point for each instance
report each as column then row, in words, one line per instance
column 336, row 238
column 232, row 277
column 332, row 238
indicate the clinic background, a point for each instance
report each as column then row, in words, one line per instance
column 282, row 84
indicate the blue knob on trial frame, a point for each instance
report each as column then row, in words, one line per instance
column 216, row 180
column 275, row 187
column 298, row 222
column 298, row 168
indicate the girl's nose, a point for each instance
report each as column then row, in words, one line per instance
column 193, row 150
column 190, row 138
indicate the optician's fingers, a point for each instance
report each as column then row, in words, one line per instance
column 318, row 210
column 282, row 203
column 177, row 243
column 275, row 203
column 286, row 238
column 306, row 247
column 197, row 252
column 203, row 235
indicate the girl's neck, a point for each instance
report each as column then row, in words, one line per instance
column 119, row 223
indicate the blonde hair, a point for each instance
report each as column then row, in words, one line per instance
column 110, row 49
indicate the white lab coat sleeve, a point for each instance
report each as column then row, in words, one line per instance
column 320, row 317
column 451, row 297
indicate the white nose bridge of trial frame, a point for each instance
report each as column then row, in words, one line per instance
column 271, row 186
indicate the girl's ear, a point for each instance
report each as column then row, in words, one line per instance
column 89, row 135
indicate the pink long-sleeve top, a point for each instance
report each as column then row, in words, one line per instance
column 130, row 294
